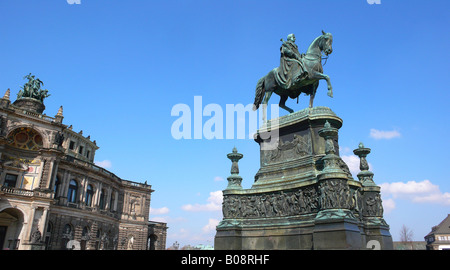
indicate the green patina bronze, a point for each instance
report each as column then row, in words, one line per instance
column 234, row 180
column 32, row 89
column 304, row 195
column 298, row 73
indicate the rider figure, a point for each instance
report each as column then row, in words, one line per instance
column 291, row 65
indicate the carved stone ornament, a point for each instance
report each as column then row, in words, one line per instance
column 276, row 204
column 36, row 236
column 335, row 194
column 300, row 146
column 373, row 205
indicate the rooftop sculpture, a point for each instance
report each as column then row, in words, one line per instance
column 32, row 89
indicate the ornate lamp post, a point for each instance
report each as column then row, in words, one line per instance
column 331, row 168
column 234, row 180
column 365, row 176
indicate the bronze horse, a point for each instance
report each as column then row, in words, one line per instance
column 312, row 61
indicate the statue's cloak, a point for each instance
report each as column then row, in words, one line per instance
column 291, row 67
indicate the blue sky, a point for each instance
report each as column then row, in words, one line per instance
column 119, row 67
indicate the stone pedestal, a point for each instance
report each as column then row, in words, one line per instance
column 30, row 104
column 298, row 149
column 304, row 196
column 337, row 229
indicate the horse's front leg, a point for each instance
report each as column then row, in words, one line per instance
column 267, row 96
column 321, row 76
column 282, row 104
column 330, row 88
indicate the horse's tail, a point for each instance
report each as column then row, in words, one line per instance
column 259, row 93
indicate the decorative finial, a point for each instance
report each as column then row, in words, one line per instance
column 59, row 116
column 365, row 176
column 328, row 133
column 331, row 160
column 60, row 111
column 7, row 94
column 362, row 153
column 234, row 180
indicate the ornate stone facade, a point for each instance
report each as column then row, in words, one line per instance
column 157, row 232
column 53, row 196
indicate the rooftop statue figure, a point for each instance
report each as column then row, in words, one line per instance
column 32, row 89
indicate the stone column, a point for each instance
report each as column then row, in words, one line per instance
column 376, row 228
column 42, row 173
column 116, row 200
column 335, row 225
column 97, row 194
column 62, row 187
column 51, row 168
column 43, row 223
column 54, row 175
column 30, row 222
column 82, row 193
column 108, row 198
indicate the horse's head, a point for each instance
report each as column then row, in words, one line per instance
column 325, row 43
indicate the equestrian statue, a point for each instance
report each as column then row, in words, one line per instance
column 297, row 73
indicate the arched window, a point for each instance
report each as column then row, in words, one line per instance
column 25, row 138
column 89, row 195
column 55, row 188
column 73, row 190
column 111, row 202
column 102, row 200
column 85, row 237
column 67, row 235
column 67, row 229
column 152, row 242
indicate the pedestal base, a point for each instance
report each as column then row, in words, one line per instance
column 302, row 197
column 284, row 234
column 337, row 229
column 30, row 104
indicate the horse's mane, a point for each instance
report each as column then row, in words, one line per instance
column 320, row 39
